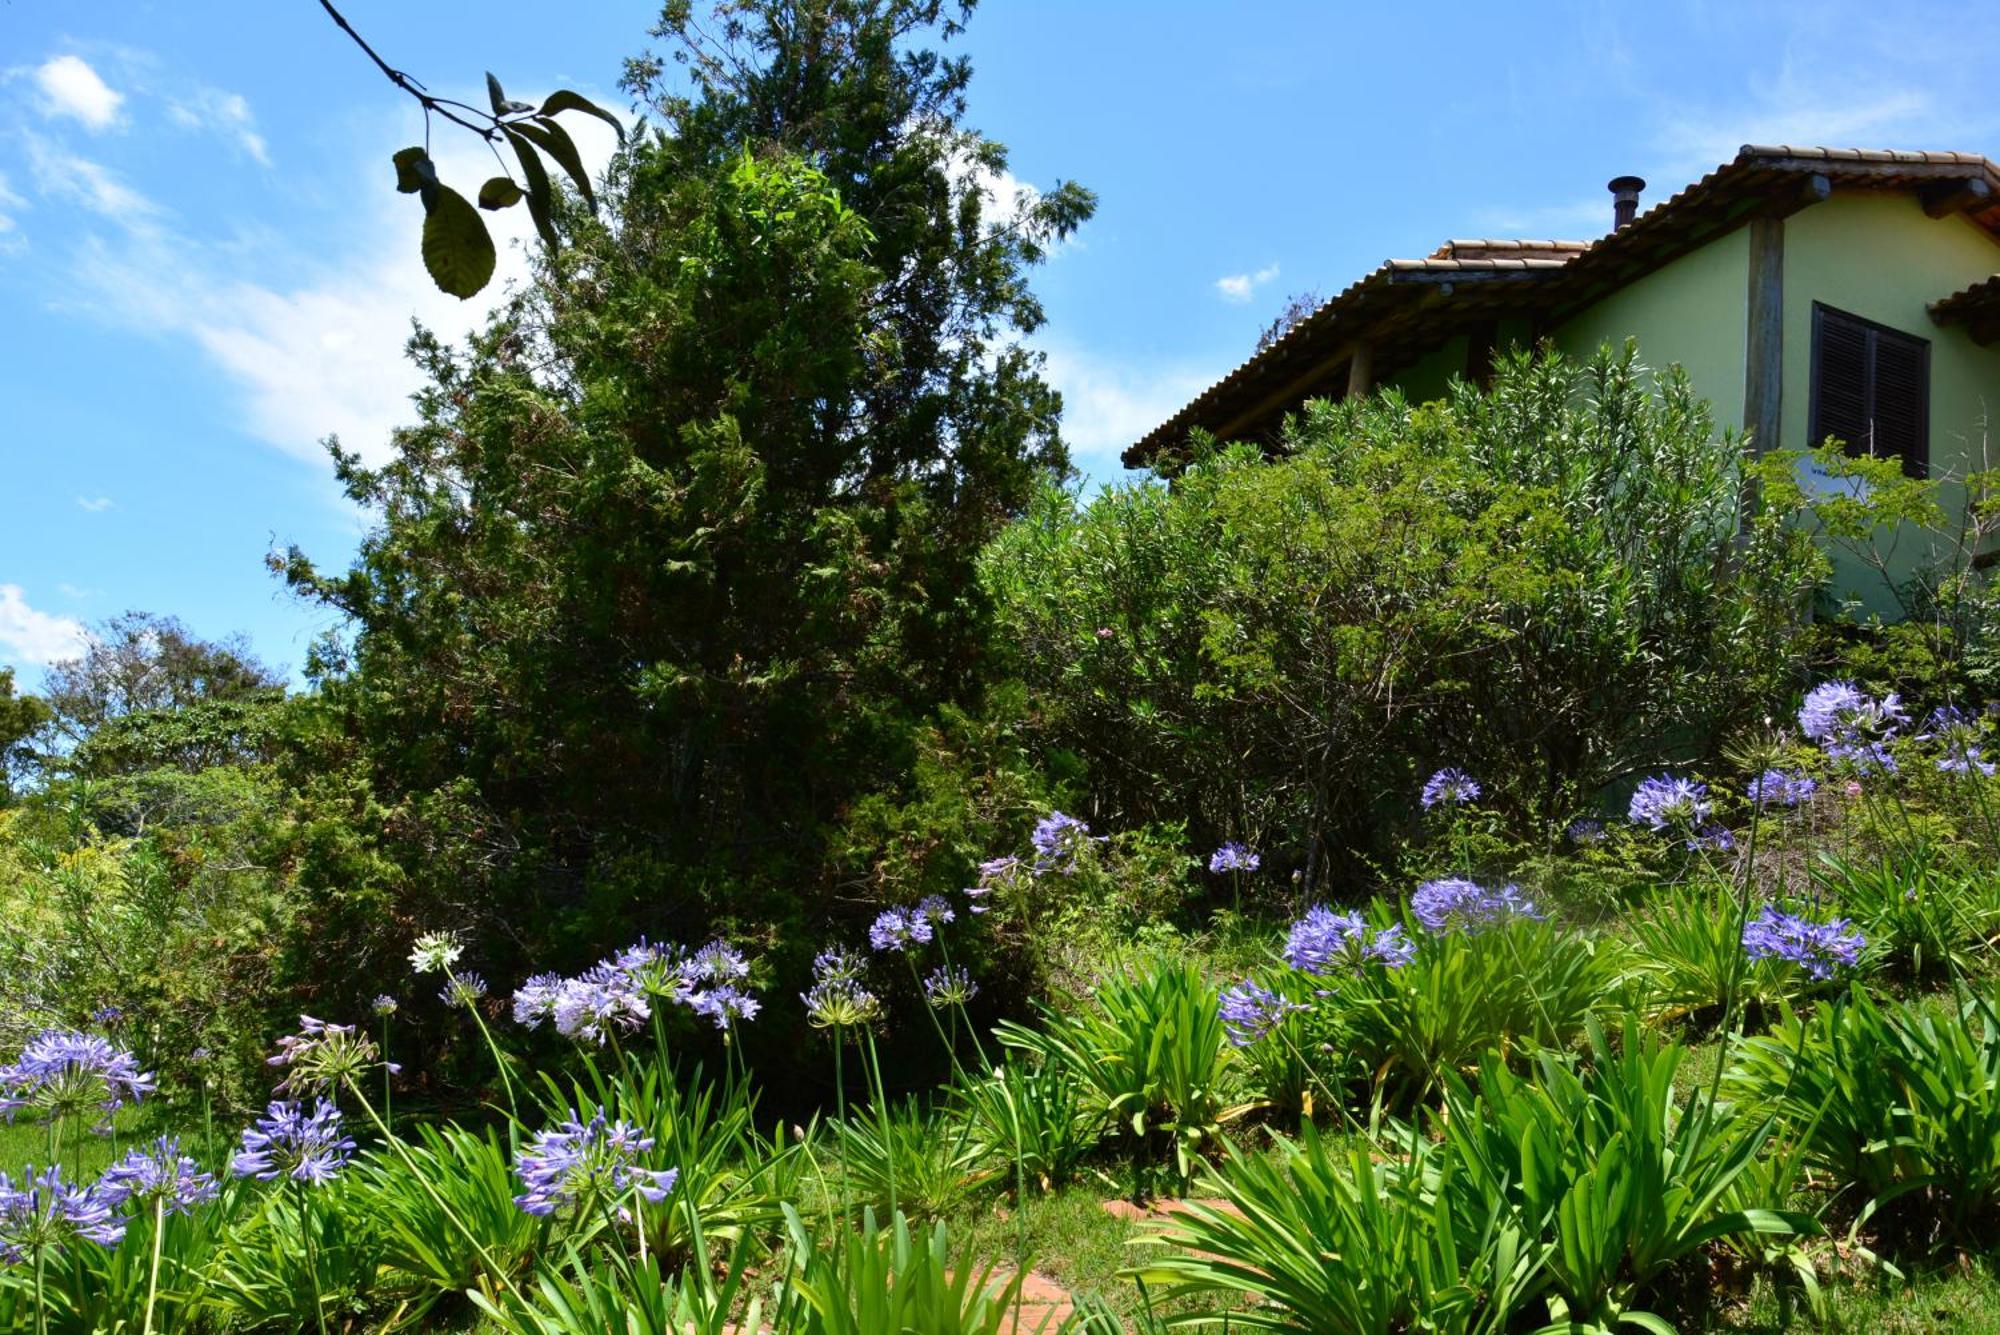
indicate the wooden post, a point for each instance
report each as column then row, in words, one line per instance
column 1764, row 342
column 1361, row 370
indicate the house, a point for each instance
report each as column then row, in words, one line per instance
column 1808, row 292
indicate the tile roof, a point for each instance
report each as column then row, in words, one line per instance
column 1405, row 306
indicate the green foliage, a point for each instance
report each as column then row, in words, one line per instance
column 901, row 1156
column 21, row 717
column 896, row 1278
column 1614, row 1176
column 1546, row 583
column 422, row 1248
column 1922, row 913
column 677, row 561
column 1901, row 1104
column 1151, row 1049
column 1028, row 1115
column 1688, row 954
column 1333, row 1241
column 1520, row 984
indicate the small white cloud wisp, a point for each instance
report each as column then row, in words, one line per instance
column 71, row 89
column 1238, row 288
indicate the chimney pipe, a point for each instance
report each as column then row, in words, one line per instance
column 1624, row 200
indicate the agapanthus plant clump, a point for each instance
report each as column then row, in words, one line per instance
column 290, row 1142
column 588, row 1165
column 158, row 1175
column 1817, row 947
column 1323, row 941
column 62, row 1074
column 1852, row 726
column 1456, row 904
column 1250, row 1011
column 45, row 1213
column 1449, row 788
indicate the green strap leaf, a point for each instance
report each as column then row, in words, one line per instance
column 458, row 251
column 413, row 170
column 499, row 193
column 553, row 140
column 540, row 196
column 562, row 99
column 502, row 104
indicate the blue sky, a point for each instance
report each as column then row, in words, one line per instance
column 204, row 268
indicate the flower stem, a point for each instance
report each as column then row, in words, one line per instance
column 153, row 1278
column 312, row 1254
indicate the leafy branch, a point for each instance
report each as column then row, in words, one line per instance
column 458, row 249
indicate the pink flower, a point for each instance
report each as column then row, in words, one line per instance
column 1854, row 788
column 1104, row 632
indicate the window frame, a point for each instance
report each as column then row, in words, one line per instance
column 1816, row 435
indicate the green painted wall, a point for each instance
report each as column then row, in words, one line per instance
column 1427, row 377
column 1692, row 312
column 1880, row 257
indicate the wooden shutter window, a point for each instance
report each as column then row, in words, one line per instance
column 1870, row 388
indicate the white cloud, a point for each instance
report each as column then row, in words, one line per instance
column 96, row 505
column 319, row 352
column 77, row 591
column 1238, row 287
column 62, row 175
column 33, row 638
column 223, row 113
column 1108, row 405
column 70, row 87
column 11, row 239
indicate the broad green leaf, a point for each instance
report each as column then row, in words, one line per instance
column 499, row 193
column 413, row 170
column 553, row 140
column 539, row 194
column 562, row 99
column 458, row 251
column 502, row 105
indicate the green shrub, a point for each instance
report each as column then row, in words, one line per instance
column 1544, row 583
column 1688, row 956
column 1899, row 1104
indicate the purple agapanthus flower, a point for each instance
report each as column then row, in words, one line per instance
column 289, row 1142
column 535, row 1000
column 1323, row 940
column 462, row 991
column 62, row 1073
column 1716, row 838
column 586, row 1163
column 1250, row 1011
column 899, row 929
column 1780, row 788
column 1665, row 802
column 45, row 1213
column 1851, row 725
column 1586, row 830
column 1233, row 857
column 158, row 1173
column 1816, row 947
column 321, row 1056
column 1450, row 787
column 838, row 999
column 601, row 999
column 1456, row 904
column 937, row 910
column 1058, row 839
column 724, row 1004
column 1956, row 733
column 949, row 985
column 1003, row 873
column 717, row 962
